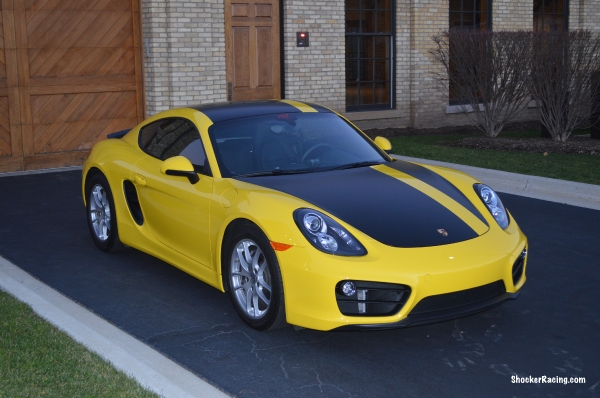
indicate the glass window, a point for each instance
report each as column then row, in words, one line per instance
column 473, row 14
column 550, row 15
column 289, row 143
column 468, row 14
column 166, row 138
column 369, row 54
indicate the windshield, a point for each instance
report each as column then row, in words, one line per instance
column 290, row 143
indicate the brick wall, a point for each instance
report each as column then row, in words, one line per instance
column 512, row 14
column 584, row 14
column 427, row 99
column 185, row 56
column 403, row 60
column 315, row 73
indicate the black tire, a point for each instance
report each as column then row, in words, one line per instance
column 101, row 214
column 254, row 245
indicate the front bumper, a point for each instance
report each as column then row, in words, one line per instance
column 310, row 278
column 440, row 312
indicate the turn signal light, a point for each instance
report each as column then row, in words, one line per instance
column 281, row 247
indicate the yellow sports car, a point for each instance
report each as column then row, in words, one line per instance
column 302, row 218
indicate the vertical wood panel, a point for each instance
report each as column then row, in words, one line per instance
column 264, row 64
column 241, row 59
column 15, row 161
column 5, row 141
column 23, row 78
column 5, row 147
column 137, row 58
column 2, row 58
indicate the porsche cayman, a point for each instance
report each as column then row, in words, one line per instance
column 302, row 218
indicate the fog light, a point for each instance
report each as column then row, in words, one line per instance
column 348, row 288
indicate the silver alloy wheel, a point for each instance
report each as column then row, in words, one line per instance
column 100, row 212
column 250, row 278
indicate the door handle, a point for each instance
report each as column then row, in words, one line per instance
column 139, row 180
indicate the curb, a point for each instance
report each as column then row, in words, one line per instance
column 148, row 367
column 40, row 171
column 550, row 189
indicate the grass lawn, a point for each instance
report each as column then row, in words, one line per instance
column 580, row 168
column 38, row 360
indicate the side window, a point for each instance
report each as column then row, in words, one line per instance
column 166, row 138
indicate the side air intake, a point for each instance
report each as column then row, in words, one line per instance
column 133, row 203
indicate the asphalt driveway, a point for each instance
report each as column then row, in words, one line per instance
column 550, row 330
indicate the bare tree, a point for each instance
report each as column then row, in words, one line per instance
column 562, row 65
column 485, row 71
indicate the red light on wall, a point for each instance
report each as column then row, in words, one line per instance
column 301, row 39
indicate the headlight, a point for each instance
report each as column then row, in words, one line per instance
column 327, row 235
column 493, row 203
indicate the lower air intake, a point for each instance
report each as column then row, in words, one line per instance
column 372, row 298
column 455, row 300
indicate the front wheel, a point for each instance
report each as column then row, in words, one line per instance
column 101, row 214
column 255, row 284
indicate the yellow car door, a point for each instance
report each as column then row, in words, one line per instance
column 175, row 209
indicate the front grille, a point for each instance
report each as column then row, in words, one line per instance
column 448, row 301
column 372, row 299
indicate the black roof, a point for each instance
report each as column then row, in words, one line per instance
column 220, row 111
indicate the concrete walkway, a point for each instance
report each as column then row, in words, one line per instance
column 163, row 376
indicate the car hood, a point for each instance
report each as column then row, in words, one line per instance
column 399, row 204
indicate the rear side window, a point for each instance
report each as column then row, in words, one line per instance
column 166, row 138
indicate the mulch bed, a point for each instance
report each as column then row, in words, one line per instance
column 575, row 145
column 446, row 130
column 581, row 145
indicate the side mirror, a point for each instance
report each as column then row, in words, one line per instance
column 179, row 166
column 384, row 144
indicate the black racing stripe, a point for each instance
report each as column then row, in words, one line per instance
column 438, row 182
column 220, row 111
column 381, row 206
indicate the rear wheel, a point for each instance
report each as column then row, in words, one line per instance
column 101, row 214
column 254, row 278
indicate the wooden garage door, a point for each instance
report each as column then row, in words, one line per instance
column 69, row 74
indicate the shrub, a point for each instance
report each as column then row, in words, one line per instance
column 560, row 79
column 486, row 72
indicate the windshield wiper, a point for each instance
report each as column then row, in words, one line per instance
column 277, row 172
column 357, row 164
column 274, row 172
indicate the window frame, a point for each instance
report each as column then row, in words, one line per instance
column 488, row 14
column 201, row 169
column 391, row 104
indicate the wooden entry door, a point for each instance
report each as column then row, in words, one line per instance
column 70, row 72
column 252, row 49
